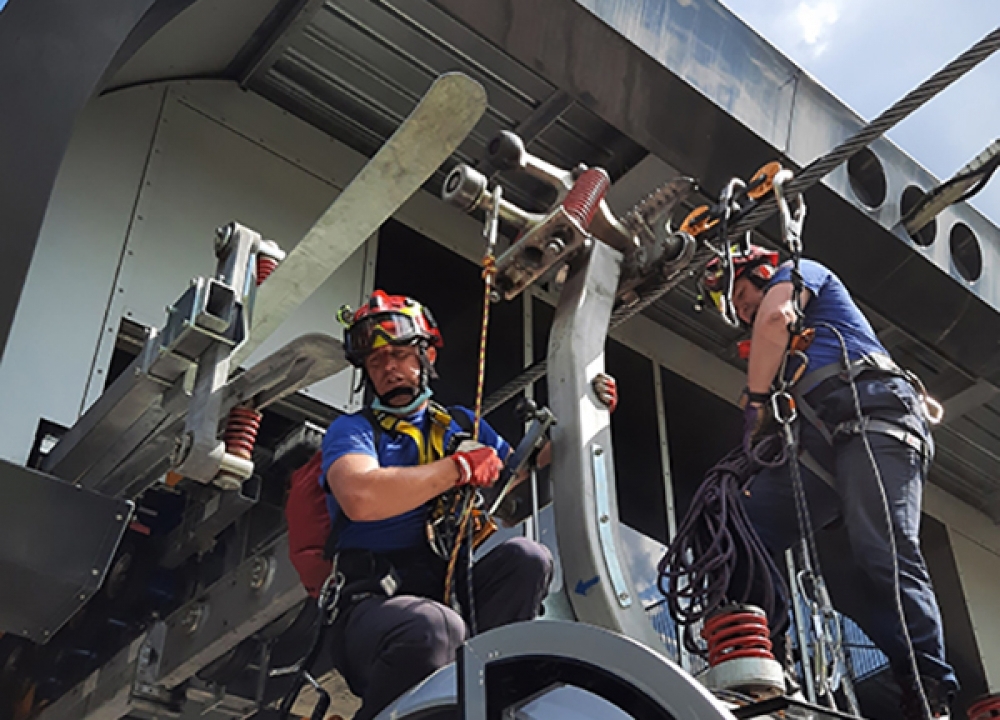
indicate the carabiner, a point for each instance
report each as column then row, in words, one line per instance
column 783, row 408
column 791, row 220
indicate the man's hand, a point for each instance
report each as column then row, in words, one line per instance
column 607, row 390
column 754, row 419
column 479, row 467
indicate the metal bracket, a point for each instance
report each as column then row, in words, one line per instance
column 603, row 505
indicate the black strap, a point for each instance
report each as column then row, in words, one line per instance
column 461, row 418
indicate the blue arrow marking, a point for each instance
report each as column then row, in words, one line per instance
column 582, row 588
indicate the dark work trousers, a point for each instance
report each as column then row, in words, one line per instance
column 385, row 645
column 860, row 573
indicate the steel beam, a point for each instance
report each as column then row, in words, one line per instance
column 584, row 495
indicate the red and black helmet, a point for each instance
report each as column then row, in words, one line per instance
column 387, row 320
column 716, row 283
column 759, row 262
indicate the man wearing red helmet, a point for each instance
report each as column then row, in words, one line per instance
column 842, row 480
column 382, row 467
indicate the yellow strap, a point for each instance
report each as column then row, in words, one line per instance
column 440, row 422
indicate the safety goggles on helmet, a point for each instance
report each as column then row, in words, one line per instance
column 388, row 320
column 717, row 283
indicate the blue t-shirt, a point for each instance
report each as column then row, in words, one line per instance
column 353, row 434
column 830, row 303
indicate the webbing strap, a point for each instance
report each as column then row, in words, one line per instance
column 883, row 427
column 872, row 361
column 429, row 448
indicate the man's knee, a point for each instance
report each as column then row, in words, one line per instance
column 429, row 638
column 529, row 560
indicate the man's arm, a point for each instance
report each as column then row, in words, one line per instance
column 770, row 335
column 366, row 491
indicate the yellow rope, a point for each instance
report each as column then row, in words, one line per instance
column 469, row 493
column 489, row 270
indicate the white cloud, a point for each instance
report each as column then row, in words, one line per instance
column 815, row 20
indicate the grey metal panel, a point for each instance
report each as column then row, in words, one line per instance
column 56, row 543
column 52, row 42
column 199, row 42
column 61, row 317
column 713, row 50
column 977, row 568
column 357, row 69
column 104, row 695
column 213, row 162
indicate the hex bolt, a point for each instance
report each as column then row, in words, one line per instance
column 222, row 237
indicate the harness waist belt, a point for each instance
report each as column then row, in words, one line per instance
column 873, row 361
column 911, row 440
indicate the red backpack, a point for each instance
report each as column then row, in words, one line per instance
column 308, row 525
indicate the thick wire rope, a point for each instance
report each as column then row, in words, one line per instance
column 809, row 176
column 821, row 167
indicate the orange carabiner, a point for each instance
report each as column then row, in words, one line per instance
column 762, row 181
column 698, row 221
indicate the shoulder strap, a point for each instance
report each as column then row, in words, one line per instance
column 368, row 414
column 461, row 418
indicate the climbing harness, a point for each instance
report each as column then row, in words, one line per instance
column 329, row 606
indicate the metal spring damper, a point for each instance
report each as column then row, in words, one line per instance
column 739, row 631
column 240, row 434
column 584, row 199
column 985, row 708
column 265, row 266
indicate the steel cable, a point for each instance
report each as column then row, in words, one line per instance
column 821, row 167
column 809, row 176
column 654, row 292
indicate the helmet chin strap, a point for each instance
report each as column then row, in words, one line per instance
column 381, row 405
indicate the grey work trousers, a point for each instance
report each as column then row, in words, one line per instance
column 385, row 645
column 860, row 573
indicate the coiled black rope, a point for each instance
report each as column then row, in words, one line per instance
column 696, row 574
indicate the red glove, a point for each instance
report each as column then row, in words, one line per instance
column 480, row 467
column 607, row 391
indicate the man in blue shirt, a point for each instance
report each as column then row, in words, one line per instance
column 893, row 423
column 383, row 467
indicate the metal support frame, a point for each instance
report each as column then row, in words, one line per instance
column 153, row 668
column 586, row 509
column 595, row 658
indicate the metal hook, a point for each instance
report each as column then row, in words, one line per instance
column 791, row 220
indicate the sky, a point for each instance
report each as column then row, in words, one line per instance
column 870, row 53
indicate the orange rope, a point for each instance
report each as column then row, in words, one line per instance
column 489, row 270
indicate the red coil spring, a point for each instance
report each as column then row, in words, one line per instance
column 265, row 266
column 985, row 708
column 737, row 633
column 240, row 434
column 584, row 198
